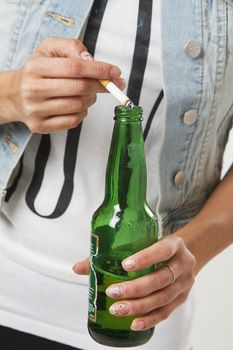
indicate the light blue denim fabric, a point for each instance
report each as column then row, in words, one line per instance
column 33, row 22
column 203, row 84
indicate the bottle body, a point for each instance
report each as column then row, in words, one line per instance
column 123, row 225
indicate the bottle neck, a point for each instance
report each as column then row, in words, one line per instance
column 126, row 170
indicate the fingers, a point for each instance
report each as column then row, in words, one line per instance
column 154, row 295
column 56, row 123
column 55, row 81
column 61, row 106
column 60, row 67
column 141, row 286
column 83, row 267
column 147, row 304
column 43, row 117
column 53, row 46
column 158, row 315
column 158, row 252
column 48, row 88
column 155, row 307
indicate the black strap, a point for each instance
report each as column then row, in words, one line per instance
column 73, row 135
column 14, row 185
column 94, row 24
column 69, row 168
column 140, row 50
column 152, row 114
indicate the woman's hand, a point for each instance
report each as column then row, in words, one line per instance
column 56, row 86
column 155, row 295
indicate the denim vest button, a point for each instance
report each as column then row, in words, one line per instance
column 2, row 194
column 179, row 178
column 193, row 49
column 190, row 117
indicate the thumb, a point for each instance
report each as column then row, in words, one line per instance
column 59, row 47
column 82, row 267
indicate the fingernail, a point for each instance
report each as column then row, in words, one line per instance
column 128, row 264
column 115, row 72
column 76, row 267
column 119, row 309
column 114, row 291
column 137, row 325
column 86, row 56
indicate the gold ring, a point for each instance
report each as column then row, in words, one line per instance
column 173, row 274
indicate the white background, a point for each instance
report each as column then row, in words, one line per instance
column 213, row 327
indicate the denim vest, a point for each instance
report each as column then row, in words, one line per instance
column 197, row 47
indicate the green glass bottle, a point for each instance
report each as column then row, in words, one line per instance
column 121, row 226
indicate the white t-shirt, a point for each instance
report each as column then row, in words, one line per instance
column 45, row 225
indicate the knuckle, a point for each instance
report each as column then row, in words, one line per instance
column 90, row 100
column 80, row 44
column 163, row 298
column 29, row 65
column 162, row 278
column 183, row 298
column 81, row 116
column 149, row 323
column 76, row 105
column 192, row 278
column 80, row 86
column 47, row 41
column 164, row 313
column 103, row 69
column 93, row 99
column 84, row 113
column 25, row 89
column 192, row 260
column 144, row 258
column 167, row 249
column 188, row 260
column 30, row 89
column 73, row 122
column 189, row 280
column 34, row 125
column 138, row 308
column 179, row 240
column 75, row 67
column 29, row 112
column 74, row 44
column 133, row 291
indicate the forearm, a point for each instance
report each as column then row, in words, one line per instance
column 8, row 93
column 211, row 230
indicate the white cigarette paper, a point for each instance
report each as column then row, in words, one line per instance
column 109, row 85
column 115, row 91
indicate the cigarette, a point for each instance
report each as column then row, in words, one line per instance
column 111, row 87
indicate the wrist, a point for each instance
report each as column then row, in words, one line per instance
column 196, row 238
column 208, row 233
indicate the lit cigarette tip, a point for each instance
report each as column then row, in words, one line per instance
column 130, row 104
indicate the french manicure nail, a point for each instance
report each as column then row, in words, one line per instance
column 119, row 309
column 114, row 291
column 128, row 264
column 138, row 325
column 86, row 56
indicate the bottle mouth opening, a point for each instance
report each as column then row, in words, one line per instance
column 124, row 113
